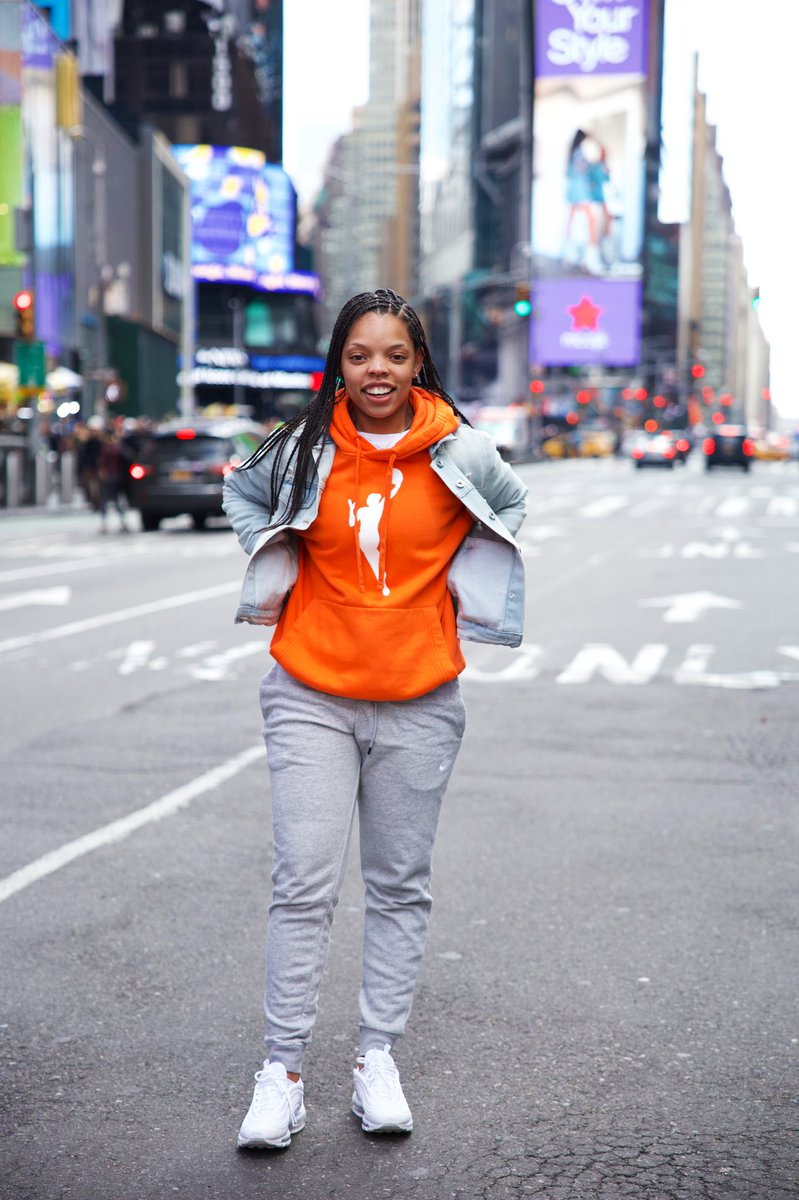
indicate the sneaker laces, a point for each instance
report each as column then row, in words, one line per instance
column 381, row 1073
column 269, row 1087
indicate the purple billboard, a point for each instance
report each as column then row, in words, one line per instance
column 580, row 322
column 588, row 184
column 590, row 37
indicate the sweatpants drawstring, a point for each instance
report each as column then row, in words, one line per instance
column 374, row 731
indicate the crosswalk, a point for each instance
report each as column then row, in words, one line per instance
column 759, row 503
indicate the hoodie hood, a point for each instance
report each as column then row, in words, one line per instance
column 433, row 419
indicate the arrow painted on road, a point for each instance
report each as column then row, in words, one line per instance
column 49, row 596
column 689, row 606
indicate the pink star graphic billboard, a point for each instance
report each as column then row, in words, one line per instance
column 584, row 321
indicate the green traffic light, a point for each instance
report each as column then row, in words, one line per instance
column 523, row 308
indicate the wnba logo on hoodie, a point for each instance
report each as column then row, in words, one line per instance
column 367, row 518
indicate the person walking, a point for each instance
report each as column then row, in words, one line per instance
column 380, row 528
column 112, row 471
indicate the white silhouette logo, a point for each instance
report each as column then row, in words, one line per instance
column 368, row 518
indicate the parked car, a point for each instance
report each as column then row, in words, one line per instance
column 180, row 468
column 728, row 446
column 653, row 450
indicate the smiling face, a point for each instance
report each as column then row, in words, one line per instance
column 378, row 364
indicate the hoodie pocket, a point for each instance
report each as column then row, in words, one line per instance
column 367, row 653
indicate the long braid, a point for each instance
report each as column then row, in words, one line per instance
column 315, row 419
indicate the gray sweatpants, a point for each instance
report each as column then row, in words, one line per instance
column 327, row 755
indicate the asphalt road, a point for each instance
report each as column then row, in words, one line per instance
column 608, row 1006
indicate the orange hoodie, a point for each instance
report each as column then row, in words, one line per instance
column 370, row 616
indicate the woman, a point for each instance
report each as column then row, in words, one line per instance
column 380, row 528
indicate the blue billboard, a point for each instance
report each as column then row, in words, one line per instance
column 243, row 213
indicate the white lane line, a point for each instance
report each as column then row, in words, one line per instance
column 55, row 568
column 116, row 831
column 114, row 618
column 603, row 507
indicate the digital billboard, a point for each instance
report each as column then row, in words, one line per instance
column 243, row 213
column 588, row 181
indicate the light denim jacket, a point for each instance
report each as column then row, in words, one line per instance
column 486, row 576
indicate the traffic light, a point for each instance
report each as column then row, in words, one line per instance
column 698, row 371
column 25, row 311
column 522, row 305
column 756, row 300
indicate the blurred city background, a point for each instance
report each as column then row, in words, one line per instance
column 504, row 173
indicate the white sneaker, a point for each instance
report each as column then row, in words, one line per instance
column 378, row 1099
column 277, row 1110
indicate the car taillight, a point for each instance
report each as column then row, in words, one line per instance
column 186, row 435
column 749, row 446
column 709, row 445
column 221, row 468
column 638, row 454
column 138, row 471
column 669, row 452
column 682, row 445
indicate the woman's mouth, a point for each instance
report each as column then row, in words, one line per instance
column 378, row 391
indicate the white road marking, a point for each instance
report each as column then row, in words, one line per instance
column 48, row 596
column 215, row 668
column 599, row 658
column 53, row 569
column 135, row 656
column 735, row 506
column 603, row 507
column 705, row 550
column 523, row 666
column 122, row 614
column 781, row 506
column 645, row 509
column 116, row 831
column 689, row 606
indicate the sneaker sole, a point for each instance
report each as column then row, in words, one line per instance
column 263, row 1144
column 387, row 1128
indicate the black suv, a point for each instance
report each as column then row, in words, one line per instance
column 181, row 466
column 728, row 446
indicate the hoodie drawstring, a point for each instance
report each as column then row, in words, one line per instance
column 381, row 583
column 358, row 556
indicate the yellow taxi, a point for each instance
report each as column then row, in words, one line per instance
column 772, row 447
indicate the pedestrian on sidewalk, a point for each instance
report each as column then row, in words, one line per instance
column 112, row 471
column 380, row 528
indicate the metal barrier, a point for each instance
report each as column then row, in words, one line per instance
column 47, row 479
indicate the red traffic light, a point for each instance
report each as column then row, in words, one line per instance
column 698, row 371
column 23, row 301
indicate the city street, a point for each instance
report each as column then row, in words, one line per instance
column 607, row 1008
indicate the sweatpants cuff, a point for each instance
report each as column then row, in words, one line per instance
column 290, row 1056
column 375, row 1039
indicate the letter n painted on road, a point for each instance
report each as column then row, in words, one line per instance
column 600, row 659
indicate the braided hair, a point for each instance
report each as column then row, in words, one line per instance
column 315, row 419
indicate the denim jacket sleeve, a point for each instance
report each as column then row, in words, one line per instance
column 273, row 567
column 486, row 576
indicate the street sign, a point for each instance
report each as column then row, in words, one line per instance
column 32, row 363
